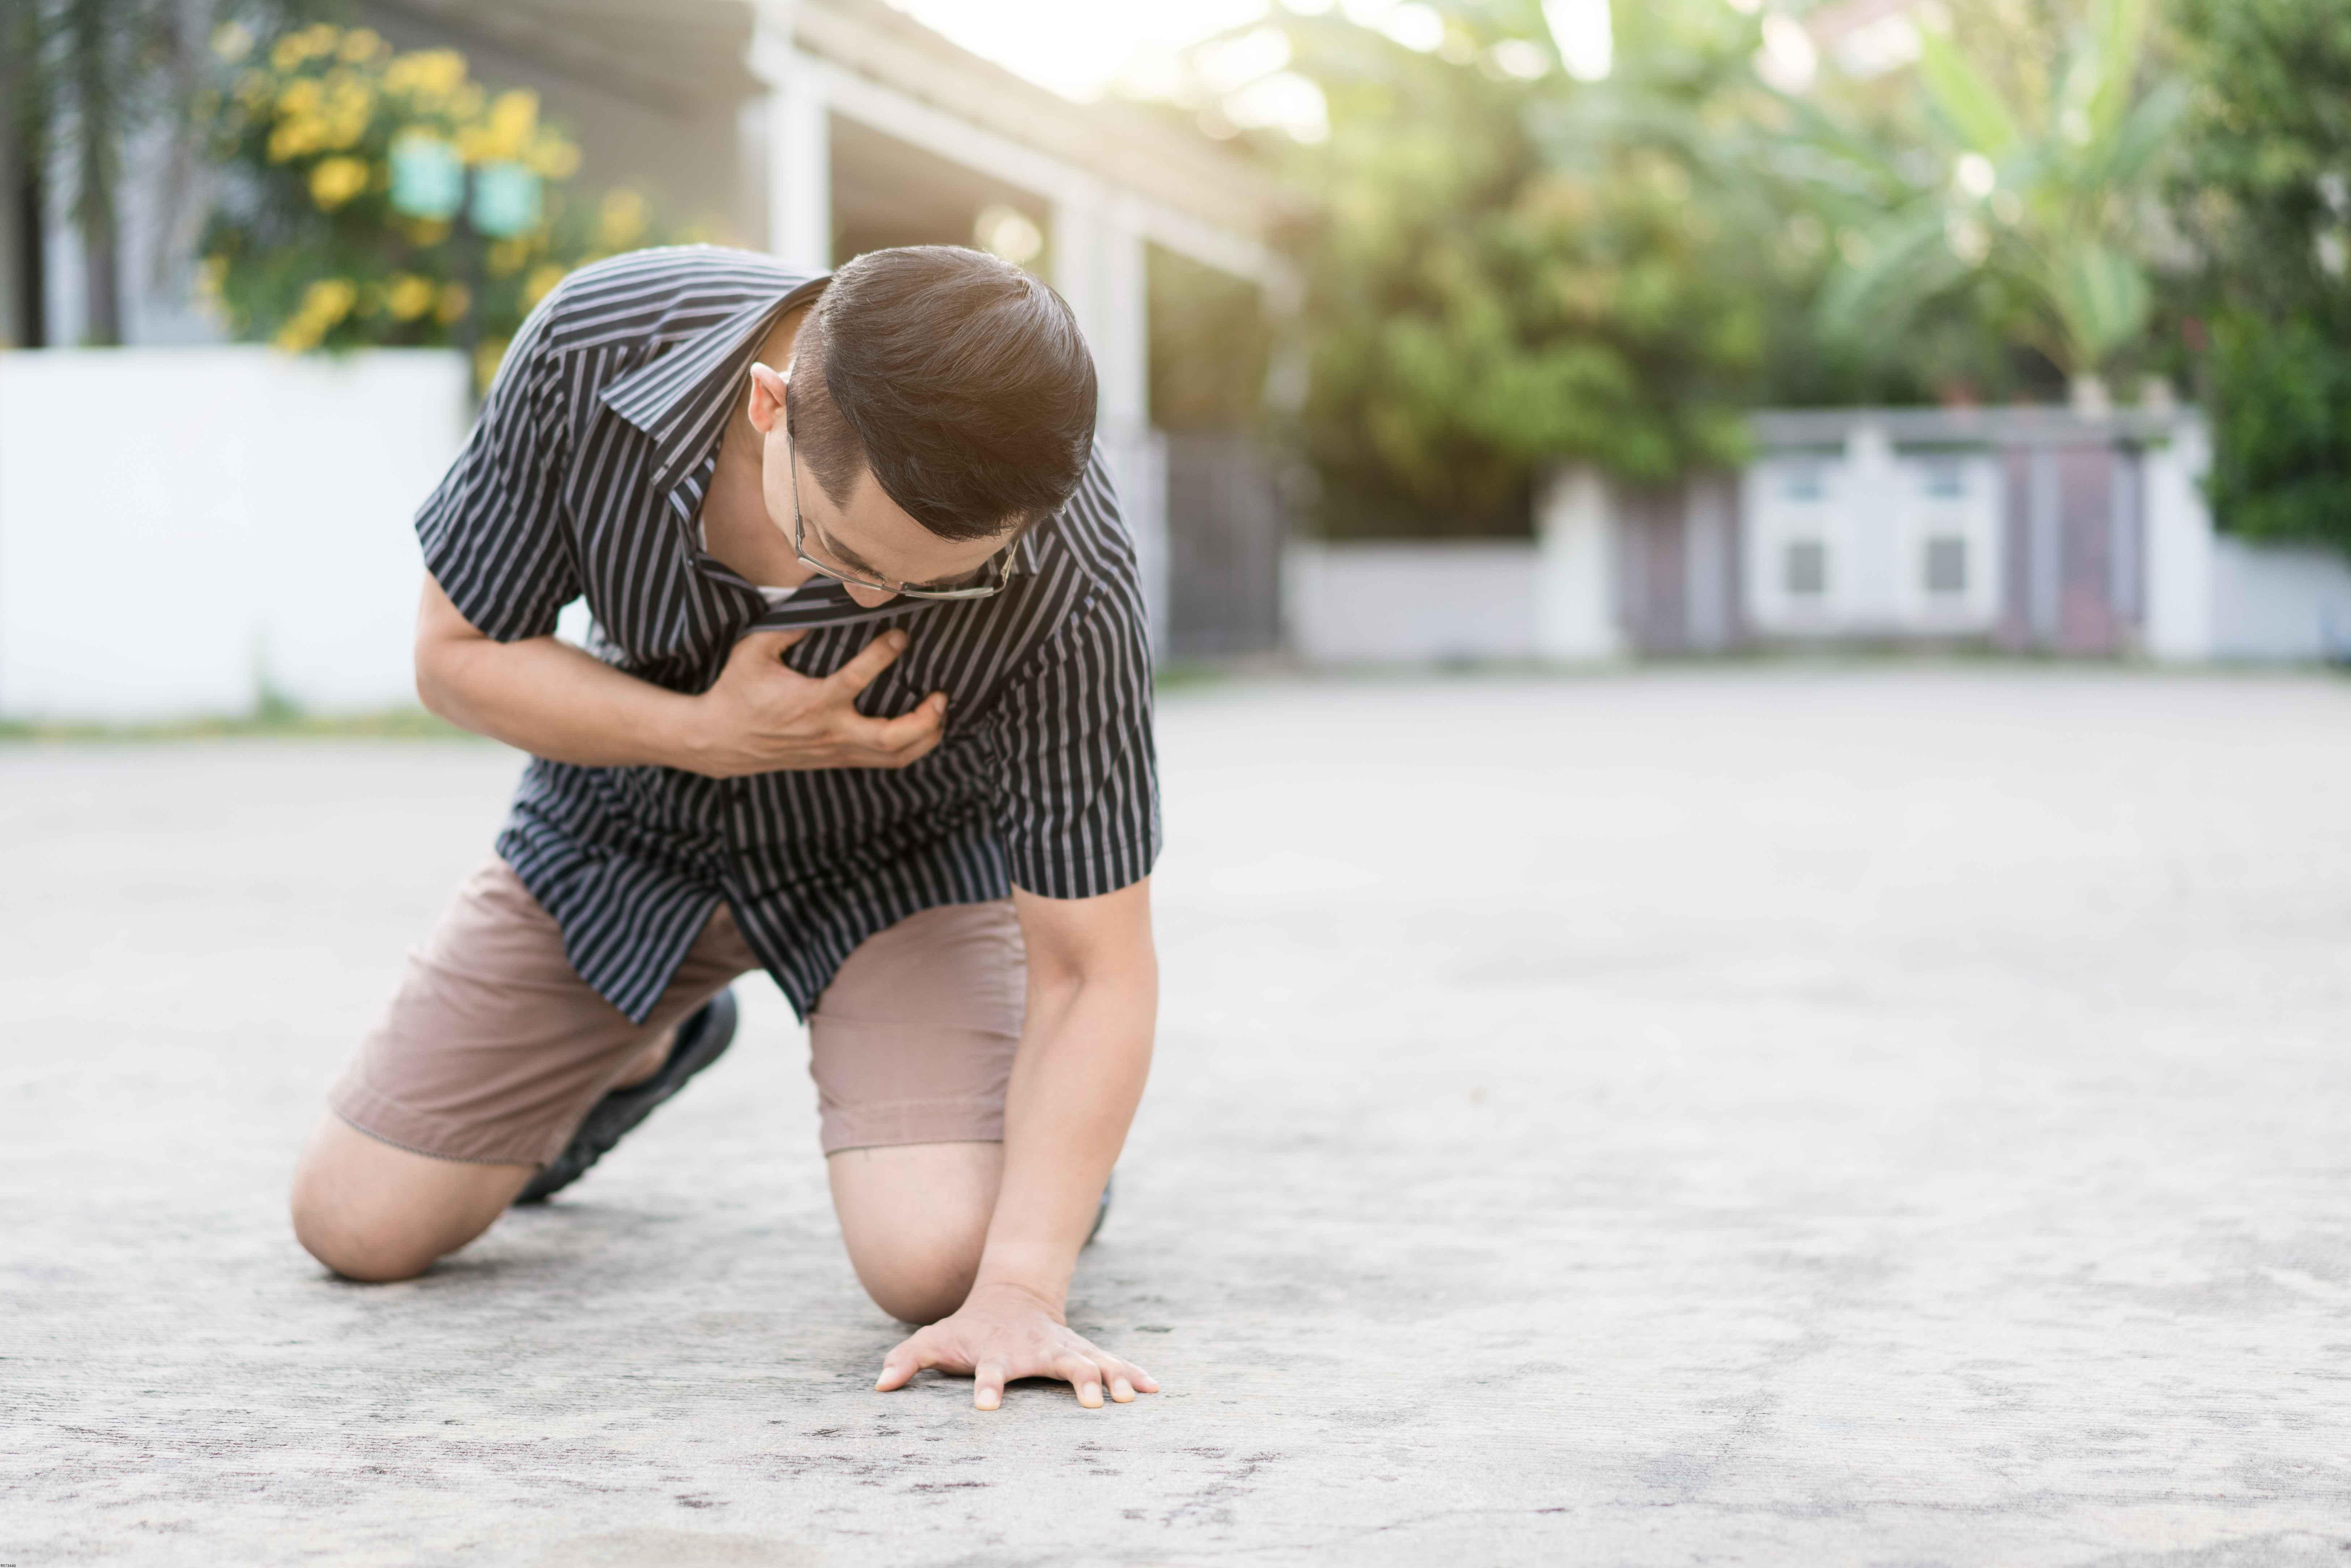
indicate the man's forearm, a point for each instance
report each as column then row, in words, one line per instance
column 1076, row 1080
column 553, row 700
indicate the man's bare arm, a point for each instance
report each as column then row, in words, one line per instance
column 1085, row 1050
column 547, row 697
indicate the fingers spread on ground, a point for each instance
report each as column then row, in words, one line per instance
column 1114, row 1380
column 988, row 1386
column 1083, row 1375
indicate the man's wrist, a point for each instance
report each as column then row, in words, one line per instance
column 1042, row 1273
column 680, row 733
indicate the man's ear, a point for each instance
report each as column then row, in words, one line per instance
column 768, row 391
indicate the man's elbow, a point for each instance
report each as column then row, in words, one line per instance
column 434, row 688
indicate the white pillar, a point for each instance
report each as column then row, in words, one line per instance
column 800, row 164
column 1099, row 267
column 1576, row 616
column 1866, row 565
column 2179, row 545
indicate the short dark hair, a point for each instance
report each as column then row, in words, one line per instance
column 961, row 381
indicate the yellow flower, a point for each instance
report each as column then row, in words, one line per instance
column 409, row 296
column 336, row 181
column 488, row 356
column 329, row 299
column 543, row 278
column 505, row 257
column 349, row 105
column 300, row 96
column 212, row 274
column 505, row 133
column 428, row 231
column 620, row 218
column 454, row 298
column 513, row 118
column 425, row 73
column 253, row 89
column 324, row 303
column 296, row 137
column 232, row 41
column 361, row 43
column 289, row 53
column 552, row 156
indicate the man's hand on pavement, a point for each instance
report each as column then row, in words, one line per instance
column 1001, row 1332
column 763, row 716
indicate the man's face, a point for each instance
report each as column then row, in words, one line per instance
column 869, row 535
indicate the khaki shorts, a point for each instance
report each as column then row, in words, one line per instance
column 494, row 1050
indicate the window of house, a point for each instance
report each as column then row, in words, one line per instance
column 1945, row 477
column 1803, row 481
column 1946, row 564
column 1807, row 569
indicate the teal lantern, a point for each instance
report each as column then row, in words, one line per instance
column 428, row 178
column 506, row 200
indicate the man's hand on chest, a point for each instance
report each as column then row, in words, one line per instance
column 764, row 717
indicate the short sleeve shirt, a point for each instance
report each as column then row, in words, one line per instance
column 584, row 478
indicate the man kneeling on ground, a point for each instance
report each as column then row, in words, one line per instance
column 867, row 704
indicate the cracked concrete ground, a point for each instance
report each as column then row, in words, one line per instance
column 1768, row 1116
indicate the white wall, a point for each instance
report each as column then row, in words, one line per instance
column 1576, row 615
column 2180, row 539
column 2279, row 601
column 1414, row 601
column 179, row 524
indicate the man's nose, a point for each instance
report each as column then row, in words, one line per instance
column 871, row 598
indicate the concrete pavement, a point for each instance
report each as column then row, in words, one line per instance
column 1767, row 1116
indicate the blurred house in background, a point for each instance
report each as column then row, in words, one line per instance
column 816, row 131
column 2038, row 530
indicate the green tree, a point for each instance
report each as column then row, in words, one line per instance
column 2041, row 207
column 2265, row 191
column 1506, row 268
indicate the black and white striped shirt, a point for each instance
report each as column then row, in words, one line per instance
column 584, row 476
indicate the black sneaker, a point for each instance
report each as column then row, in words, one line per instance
column 700, row 1040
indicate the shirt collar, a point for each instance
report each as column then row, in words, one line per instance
column 683, row 398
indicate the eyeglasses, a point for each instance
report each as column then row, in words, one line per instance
column 982, row 589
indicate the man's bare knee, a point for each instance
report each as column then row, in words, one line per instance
column 922, row 1280
column 357, row 1247
column 375, row 1213
column 915, row 1216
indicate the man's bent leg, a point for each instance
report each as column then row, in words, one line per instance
column 372, row 1211
column 910, row 1047
column 488, row 1057
column 914, row 1216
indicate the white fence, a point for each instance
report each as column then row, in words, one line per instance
column 1931, row 542
column 1411, row 600
column 181, row 530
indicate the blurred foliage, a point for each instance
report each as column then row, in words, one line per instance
column 307, row 248
column 1506, row 266
column 1210, row 342
column 79, row 79
column 2041, row 205
column 2264, row 191
column 1502, row 272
